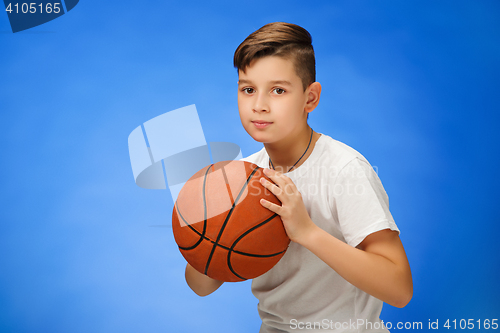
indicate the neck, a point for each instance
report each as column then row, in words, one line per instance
column 284, row 155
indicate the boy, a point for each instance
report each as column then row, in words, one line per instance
column 345, row 257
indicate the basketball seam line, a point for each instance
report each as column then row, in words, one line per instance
column 228, row 186
column 187, row 248
column 240, row 238
column 205, row 217
column 227, row 218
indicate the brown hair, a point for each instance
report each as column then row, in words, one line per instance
column 280, row 39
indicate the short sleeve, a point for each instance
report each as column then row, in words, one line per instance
column 361, row 202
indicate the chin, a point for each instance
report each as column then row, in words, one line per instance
column 263, row 136
column 259, row 136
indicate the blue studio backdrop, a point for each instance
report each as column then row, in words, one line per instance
column 412, row 85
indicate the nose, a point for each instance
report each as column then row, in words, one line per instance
column 261, row 103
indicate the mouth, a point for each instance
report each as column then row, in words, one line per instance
column 261, row 123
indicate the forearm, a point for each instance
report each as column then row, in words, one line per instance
column 389, row 281
column 201, row 284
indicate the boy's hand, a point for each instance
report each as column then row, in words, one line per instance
column 292, row 210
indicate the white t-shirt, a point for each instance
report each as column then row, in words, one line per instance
column 344, row 196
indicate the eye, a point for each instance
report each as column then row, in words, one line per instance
column 279, row 91
column 248, row 90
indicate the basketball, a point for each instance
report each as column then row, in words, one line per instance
column 220, row 226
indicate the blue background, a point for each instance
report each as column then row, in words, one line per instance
column 412, row 85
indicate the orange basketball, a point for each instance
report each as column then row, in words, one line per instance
column 220, row 226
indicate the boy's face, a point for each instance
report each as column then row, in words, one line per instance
column 271, row 100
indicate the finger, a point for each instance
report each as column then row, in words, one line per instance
column 271, row 206
column 277, row 177
column 276, row 190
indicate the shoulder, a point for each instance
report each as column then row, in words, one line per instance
column 260, row 158
column 339, row 155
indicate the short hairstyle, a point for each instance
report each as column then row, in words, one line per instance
column 280, row 39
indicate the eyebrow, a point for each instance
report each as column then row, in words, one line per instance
column 279, row 82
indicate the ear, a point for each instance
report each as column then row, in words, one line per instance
column 313, row 93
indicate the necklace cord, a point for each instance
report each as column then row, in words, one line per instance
column 310, row 139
